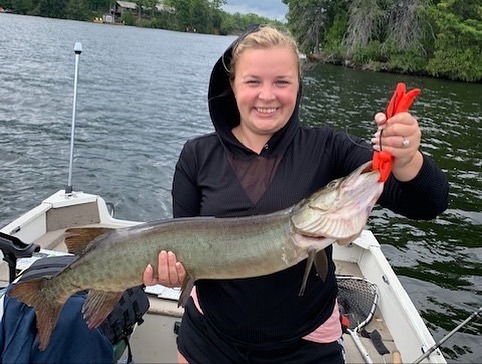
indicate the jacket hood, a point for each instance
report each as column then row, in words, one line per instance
column 224, row 110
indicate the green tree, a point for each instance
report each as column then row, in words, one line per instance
column 307, row 20
column 101, row 6
column 458, row 43
column 6, row 4
column 151, row 5
column 404, row 26
column 201, row 16
column 218, row 3
column 439, row 37
column 128, row 18
column 52, row 8
column 183, row 13
column 366, row 18
column 77, row 10
column 21, row 6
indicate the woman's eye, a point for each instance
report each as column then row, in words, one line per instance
column 282, row 82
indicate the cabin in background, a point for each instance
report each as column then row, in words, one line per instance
column 121, row 7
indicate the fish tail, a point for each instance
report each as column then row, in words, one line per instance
column 47, row 309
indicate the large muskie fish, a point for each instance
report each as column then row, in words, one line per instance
column 208, row 247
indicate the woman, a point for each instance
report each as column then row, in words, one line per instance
column 260, row 160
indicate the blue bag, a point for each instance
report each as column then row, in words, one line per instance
column 72, row 341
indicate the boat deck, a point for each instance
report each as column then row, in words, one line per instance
column 377, row 323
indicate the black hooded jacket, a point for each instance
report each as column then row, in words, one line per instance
column 217, row 176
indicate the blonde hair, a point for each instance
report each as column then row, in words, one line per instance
column 264, row 38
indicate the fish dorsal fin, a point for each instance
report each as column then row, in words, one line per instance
column 98, row 305
column 77, row 239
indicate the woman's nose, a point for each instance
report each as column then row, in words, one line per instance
column 266, row 92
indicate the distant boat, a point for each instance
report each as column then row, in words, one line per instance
column 107, row 19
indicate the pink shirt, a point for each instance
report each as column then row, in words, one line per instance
column 328, row 331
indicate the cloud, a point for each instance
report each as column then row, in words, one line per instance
column 272, row 9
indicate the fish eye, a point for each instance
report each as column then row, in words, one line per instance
column 332, row 184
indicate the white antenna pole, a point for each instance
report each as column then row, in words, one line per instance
column 77, row 52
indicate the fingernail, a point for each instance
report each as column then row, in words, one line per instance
column 376, row 147
column 374, row 140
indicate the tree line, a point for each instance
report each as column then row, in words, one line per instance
column 202, row 16
column 439, row 38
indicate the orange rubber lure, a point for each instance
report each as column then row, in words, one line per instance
column 400, row 102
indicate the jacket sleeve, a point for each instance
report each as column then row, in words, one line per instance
column 185, row 193
column 422, row 198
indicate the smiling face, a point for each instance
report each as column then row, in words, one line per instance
column 265, row 84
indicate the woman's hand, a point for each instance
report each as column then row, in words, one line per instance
column 171, row 273
column 400, row 136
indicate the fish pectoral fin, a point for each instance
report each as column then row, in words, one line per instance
column 77, row 239
column 309, row 263
column 186, row 288
column 98, row 305
column 321, row 264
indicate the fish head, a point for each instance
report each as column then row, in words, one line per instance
column 341, row 209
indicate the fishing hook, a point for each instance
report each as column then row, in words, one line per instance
column 380, row 139
column 352, row 140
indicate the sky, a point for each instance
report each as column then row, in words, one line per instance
column 272, row 9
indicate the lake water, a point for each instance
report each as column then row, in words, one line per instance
column 142, row 93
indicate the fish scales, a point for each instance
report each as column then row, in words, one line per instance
column 204, row 245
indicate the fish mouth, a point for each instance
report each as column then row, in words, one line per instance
column 356, row 183
column 364, row 170
column 367, row 167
